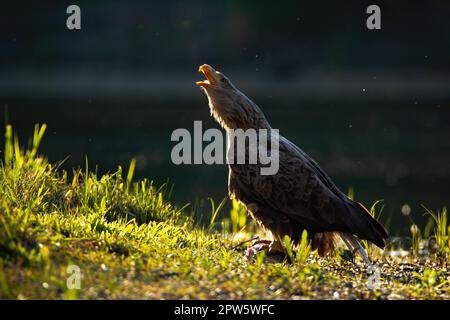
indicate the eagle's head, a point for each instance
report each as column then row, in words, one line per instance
column 215, row 81
column 230, row 107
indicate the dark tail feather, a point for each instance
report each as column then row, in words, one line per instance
column 376, row 224
column 364, row 225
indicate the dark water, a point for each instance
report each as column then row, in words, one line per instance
column 398, row 151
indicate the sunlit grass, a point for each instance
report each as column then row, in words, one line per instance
column 440, row 242
column 130, row 241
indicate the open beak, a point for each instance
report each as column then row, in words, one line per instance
column 209, row 73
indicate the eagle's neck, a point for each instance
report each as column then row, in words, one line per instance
column 241, row 114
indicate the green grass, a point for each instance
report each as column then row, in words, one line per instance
column 129, row 241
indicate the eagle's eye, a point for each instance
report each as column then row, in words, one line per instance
column 223, row 80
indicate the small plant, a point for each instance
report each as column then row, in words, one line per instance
column 310, row 275
column 287, row 244
column 441, row 233
column 416, row 239
column 430, row 278
column 238, row 216
column 416, row 233
column 215, row 210
column 376, row 214
column 303, row 249
column 351, row 193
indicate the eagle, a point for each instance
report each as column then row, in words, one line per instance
column 299, row 196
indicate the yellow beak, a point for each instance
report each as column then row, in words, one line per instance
column 208, row 71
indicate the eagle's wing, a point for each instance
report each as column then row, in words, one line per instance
column 303, row 193
column 295, row 191
column 324, row 178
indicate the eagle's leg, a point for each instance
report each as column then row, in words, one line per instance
column 271, row 222
column 353, row 244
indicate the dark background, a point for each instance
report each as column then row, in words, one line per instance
column 372, row 107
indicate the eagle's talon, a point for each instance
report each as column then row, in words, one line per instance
column 257, row 246
column 274, row 250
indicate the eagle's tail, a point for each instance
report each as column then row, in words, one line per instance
column 362, row 224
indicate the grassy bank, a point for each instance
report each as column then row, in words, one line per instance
column 128, row 241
